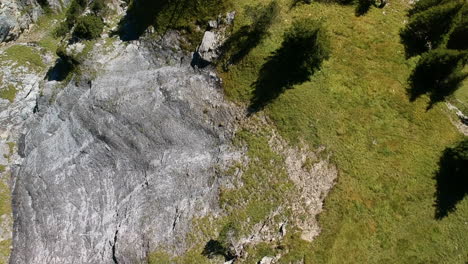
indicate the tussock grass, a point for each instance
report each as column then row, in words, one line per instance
column 24, row 56
column 8, row 93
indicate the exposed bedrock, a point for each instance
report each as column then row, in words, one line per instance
column 119, row 165
column 18, row 15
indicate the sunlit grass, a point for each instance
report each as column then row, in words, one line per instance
column 386, row 148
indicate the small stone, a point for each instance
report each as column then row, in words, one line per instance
column 230, row 17
column 267, row 260
column 213, row 24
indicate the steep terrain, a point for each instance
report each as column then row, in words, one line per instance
column 145, row 153
column 119, row 164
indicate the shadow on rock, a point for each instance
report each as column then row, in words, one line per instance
column 215, row 248
column 140, row 15
column 452, row 179
column 59, row 71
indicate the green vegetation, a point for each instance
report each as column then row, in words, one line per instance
column 23, row 55
column 185, row 16
column 256, row 196
column 452, row 178
column 68, row 64
column 5, row 209
column 5, row 246
column 439, row 72
column 427, row 29
column 438, row 30
column 88, row 27
column 5, row 199
column 98, row 6
column 76, row 8
column 457, row 157
column 386, row 148
column 304, row 47
column 247, row 37
column 9, row 93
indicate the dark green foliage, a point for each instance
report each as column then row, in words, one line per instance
column 298, row 2
column 45, row 6
column 459, row 37
column 304, row 47
column 169, row 14
column 452, row 178
column 61, row 30
column 341, row 2
column 423, row 5
column 76, row 8
column 98, row 6
column 363, row 6
column 239, row 44
column 426, row 30
column 88, row 27
column 439, row 73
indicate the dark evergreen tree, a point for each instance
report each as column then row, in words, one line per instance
column 439, row 73
column 426, row 30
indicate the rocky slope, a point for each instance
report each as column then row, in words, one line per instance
column 114, row 165
column 17, row 16
column 118, row 165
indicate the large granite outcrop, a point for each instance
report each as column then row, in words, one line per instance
column 119, row 165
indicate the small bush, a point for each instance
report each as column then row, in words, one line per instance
column 439, row 73
column 61, row 30
column 97, row 6
column 88, row 27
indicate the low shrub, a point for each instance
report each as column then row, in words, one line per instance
column 88, row 27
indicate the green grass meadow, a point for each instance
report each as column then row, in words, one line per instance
column 386, row 148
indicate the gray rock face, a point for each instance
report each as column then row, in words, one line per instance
column 119, row 166
column 213, row 39
column 18, row 15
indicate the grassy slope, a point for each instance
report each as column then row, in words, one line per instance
column 460, row 98
column 382, row 209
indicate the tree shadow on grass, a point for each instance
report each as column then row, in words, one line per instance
column 241, row 42
column 452, row 179
column 438, row 73
column 437, row 91
column 304, row 48
column 363, row 6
